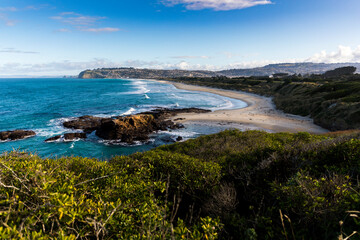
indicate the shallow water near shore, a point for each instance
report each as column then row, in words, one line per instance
column 43, row 105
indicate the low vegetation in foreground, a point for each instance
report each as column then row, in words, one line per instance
column 230, row 185
column 332, row 99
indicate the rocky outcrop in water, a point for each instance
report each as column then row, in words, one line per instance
column 67, row 137
column 86, row 123
column 129, row 128
column 16, row 135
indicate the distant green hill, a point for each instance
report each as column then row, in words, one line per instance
column 289, row 68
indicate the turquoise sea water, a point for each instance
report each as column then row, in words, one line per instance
column 43, row 105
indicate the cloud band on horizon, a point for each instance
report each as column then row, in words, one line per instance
column 218, row 5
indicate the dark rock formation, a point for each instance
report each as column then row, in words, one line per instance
column 86, row 123
column 179, row 119
column 163, row 113
column 167, row 139
column 52, row 139
column 130, row 128
column 179, row 138
column 127, row 129
column 74, row 136
column 16, row 135
column 67, row 137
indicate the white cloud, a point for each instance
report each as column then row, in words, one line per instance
column 74, row 68
column 82, row 23
column 98, row 30
column 191, row 57
column 218, row 5
column 342, row 55
column 13, row 50
column 53, row 68
column 77, row 19
column 5, row 11
column 8, row 22
column 63, row 30
column 8, row 9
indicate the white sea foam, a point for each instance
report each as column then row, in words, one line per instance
column 184, row 134
column 146, row 96
column 104, row 115
column 72, row 145
column 141, row 87
column 72, row 140
column 54, row 127
column 119, row 143
column 129, row 112
column 228, row 104
column 175, row 96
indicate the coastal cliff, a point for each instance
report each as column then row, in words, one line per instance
column 142, row 73
column 284, row 68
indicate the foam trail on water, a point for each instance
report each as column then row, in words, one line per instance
column 226, row 105
column 54, row 127
column 129, row 112
column 141, row 86
column 146, row 96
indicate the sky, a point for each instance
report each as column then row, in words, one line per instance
column 64, row 37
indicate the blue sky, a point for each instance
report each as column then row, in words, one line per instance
column 58, row 37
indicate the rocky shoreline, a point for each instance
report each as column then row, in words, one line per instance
column 127, row 129
column 124, row 129
column 16, row 135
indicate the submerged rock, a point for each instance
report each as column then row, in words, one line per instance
column 74, row 136
column 67, row 137
column 52, row 139
column 163, row 113
column 16, row 135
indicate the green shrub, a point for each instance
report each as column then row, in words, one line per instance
column 86, row 199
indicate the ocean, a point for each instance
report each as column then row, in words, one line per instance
column 42, row 105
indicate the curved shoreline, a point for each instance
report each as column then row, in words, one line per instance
column 260, row 113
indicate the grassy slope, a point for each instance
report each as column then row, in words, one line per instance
column 333, row 103
column 241, row 179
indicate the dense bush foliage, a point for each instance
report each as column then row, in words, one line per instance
column 80, row 198
column 332, row 101
column 278, row 185
column 230, row 185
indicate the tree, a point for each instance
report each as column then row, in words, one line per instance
column 338, row 72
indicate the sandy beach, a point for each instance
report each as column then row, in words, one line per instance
column 259, row 114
